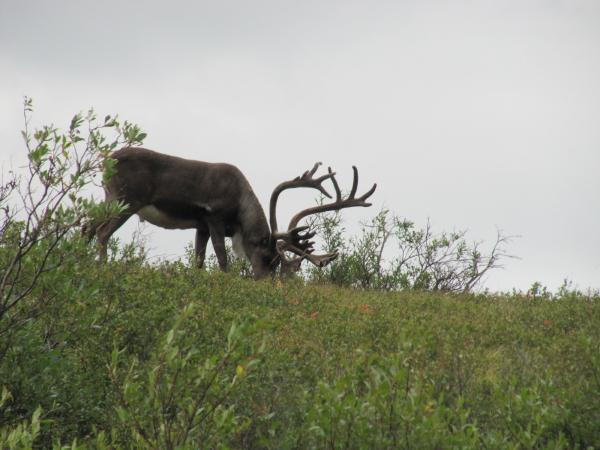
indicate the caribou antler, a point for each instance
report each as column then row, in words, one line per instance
column 339, row 203
column 296, row 239
column 305, row 180
column 317, row 260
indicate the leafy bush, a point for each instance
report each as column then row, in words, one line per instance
column 46, row 206
column 135, row 351
column 181, row 396
column 383, row 402
column 22, row 435
column 420, row 259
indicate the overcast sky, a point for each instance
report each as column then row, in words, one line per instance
column 478, row 115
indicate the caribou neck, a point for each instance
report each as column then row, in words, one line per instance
column 252, row 218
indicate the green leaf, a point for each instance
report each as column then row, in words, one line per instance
column 76, row 122
column 170, row 336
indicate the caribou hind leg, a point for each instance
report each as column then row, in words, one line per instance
column 107, row 229
column 104, row 230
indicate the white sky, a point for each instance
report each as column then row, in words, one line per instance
column 476, row 114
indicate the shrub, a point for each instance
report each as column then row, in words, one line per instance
column 390, row 253
column 49, row 204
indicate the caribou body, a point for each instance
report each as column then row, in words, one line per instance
column 217, row 201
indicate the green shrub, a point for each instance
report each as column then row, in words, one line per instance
column 181, row 397
column 46, row 207
column 391, row 253
column 19, row 435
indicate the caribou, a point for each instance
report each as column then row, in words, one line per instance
column 217, row 201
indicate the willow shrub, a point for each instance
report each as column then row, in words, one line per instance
column 166, row 356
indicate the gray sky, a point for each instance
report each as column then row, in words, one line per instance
column 476, row 114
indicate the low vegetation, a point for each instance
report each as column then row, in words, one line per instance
column 129, row 354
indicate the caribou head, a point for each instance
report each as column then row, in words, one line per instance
column 217, row 201
column 297, row 239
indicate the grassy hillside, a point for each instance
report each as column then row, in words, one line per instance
column 127, row 355
column 164, row 356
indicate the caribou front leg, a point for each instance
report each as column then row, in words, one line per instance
column 202, row 236
column 217, row 237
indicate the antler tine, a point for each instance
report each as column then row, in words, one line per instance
column 338, row 192
column 314, row 169
column 339, row 203
column 317, row 260
column 305, row 180
column 369, row 193
column 322, row 260
column 354, row 182
column 293, row 235
column 288, row 264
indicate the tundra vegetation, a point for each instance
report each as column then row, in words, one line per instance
column 389, row 346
